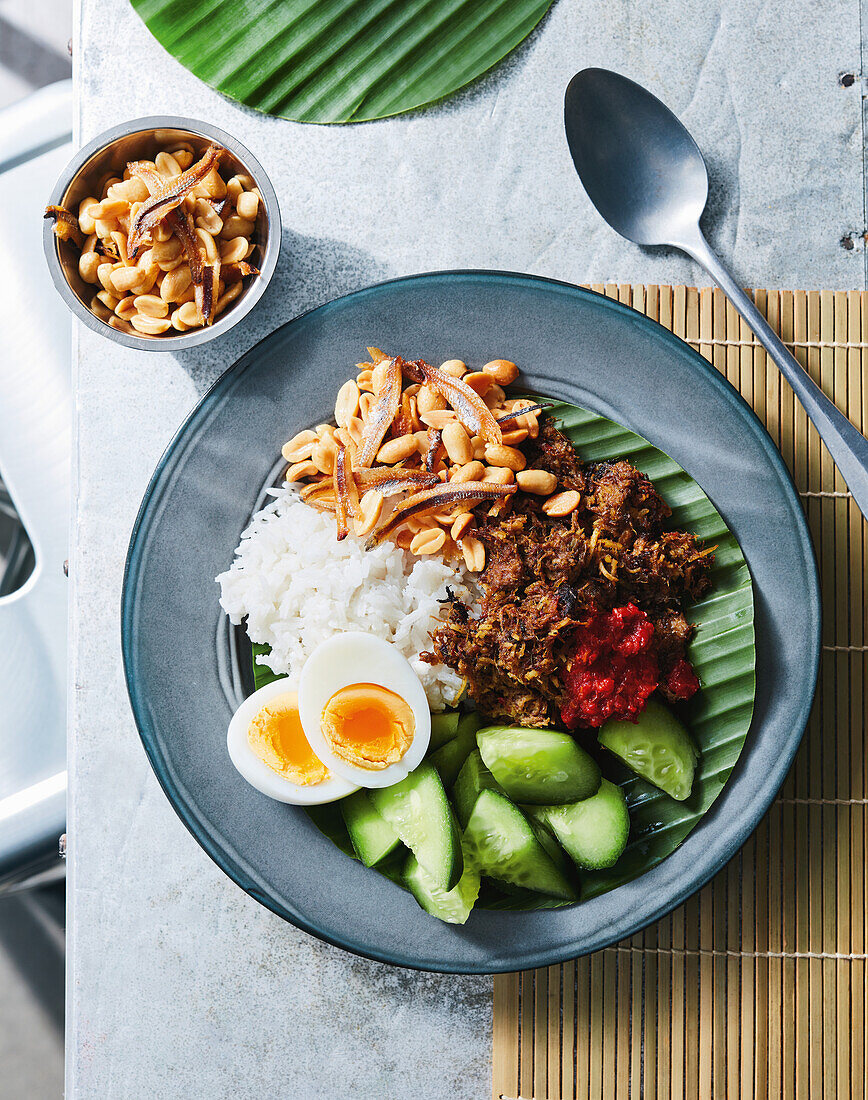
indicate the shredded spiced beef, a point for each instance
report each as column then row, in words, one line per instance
column 546, row 579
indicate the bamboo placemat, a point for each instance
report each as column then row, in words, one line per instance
column 755, row 987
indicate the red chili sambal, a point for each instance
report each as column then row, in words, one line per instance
column 613, row 668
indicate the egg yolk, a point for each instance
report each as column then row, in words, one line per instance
column 276, row 737
column 368, row 725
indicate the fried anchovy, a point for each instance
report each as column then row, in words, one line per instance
column 66, row 226
column 346, row 492
column 382, row 414
column 432, row 500
column 469, row 407
column 171, row 194
column 435, row 442
column 387, row 480
column 520, row 412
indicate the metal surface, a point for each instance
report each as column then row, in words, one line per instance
column 647, row 177
column 107, row 155
column 35, row 429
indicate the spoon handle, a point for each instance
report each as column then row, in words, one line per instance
column 847, row 446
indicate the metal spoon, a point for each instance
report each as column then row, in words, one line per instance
column 646, row 176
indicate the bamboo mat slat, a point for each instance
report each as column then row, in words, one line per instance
column 756, row 986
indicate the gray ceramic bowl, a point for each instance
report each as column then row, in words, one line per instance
column 141, row 139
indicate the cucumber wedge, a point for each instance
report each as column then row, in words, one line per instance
column 372, row 836
column 419, row 812
column 592, row 832
column 453, row 906
column 657, row 747
column 444, row 726
column 500, row 843
column 449, row 758
column 541, row 767
column 473, row 778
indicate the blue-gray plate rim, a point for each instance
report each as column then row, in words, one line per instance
column 572, row 344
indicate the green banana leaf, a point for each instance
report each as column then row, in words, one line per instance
column 722, row 652
column 339, row 60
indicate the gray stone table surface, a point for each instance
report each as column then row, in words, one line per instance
column 179, row 984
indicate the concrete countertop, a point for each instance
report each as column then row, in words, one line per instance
column 179, row 984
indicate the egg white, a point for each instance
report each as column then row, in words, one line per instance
column 257, row 772
column 357, row 658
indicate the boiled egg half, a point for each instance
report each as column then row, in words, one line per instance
column 268, row 746
column 364, row 710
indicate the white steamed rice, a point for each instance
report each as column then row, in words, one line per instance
column 297, row 586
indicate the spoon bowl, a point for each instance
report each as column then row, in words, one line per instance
column 640, row 167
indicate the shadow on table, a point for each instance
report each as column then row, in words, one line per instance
column 310, row 271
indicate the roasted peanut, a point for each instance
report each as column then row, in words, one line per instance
column 299, row 447
column 472, row 471
column 494, row 397
column 498, row 475
column 299, row 470
column 366, row 403
column 396, row 450
column 129, row 191
column 108, row 299
column 347, row 402
column 247, row 205
column 457, row 443
column 561, row 504
column 438, row 418
column 213, row 187
column 150, row 326
column 189, row 314
column 88, row 265
column 232, row 252
column 126, row 307
column 539, row 482
column 175, row 283
column 473, row 553
column 479, row 382
column 461, row 525
column 355, row 426
column 529, row 421
column 108, row 208
column 123, row 279
column 503, row 371
column 208, row 243
column 236, row 227
column 510, row 457
column 455, row 367
column 85, row 219
column 428, row 541
column 166, row 164
column 151, row 305
column 370, row 508
column 518, row 435
column 227, row 297
column 165, row 250
column 207, row 218
column 234, row 189
column 428, row 399
column 147, row 281
column 324, row 453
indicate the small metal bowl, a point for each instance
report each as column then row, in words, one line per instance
column 107, row 155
